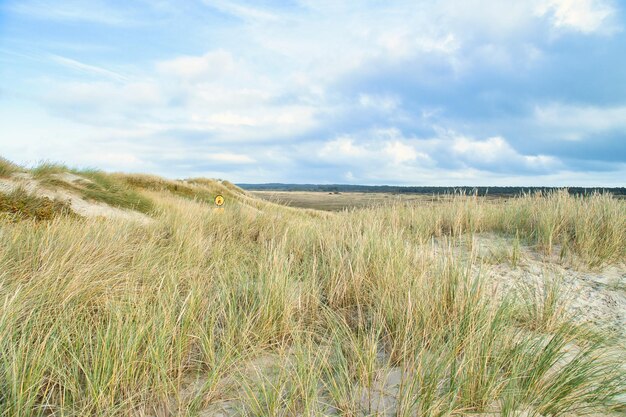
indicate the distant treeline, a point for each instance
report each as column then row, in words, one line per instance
column 393, row 189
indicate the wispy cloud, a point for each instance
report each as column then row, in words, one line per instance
column 87, row 69
column 242, row 11
column 93, row 11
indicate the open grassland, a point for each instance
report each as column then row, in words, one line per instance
column 265, row 310
column 347, row 200
column 338, row 201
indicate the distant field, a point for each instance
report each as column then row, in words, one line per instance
column 430, row 190
column 331, row 201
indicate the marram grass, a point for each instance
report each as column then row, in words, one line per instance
column 281, row 312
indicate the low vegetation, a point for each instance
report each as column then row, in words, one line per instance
column 260, row 310
column 7, row 168
column 19, row 204
column 93, row 185
column 46, row 169
column 179, row 188
column 108, row 189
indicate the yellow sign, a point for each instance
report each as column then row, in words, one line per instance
column 219, row 200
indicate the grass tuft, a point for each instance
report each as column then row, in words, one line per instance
column 19, row 204
column 7, row 168
column 47, row 168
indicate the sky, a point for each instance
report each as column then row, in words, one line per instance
column 448, row 92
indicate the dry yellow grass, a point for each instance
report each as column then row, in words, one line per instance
column 271, row 311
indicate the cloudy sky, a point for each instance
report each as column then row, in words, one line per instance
column 449, row 92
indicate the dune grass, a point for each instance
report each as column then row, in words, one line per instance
column 19, row 204
column 108, row 189
column 7, row 168
column 282, row 312
column 47, row 168
column 592, row 227
column 179, row 188
column 95, row 185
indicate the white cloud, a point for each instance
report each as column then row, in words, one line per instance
column 586, row 16
column 215, row 157
column 496, row 154
column 500, row 20
column 231, row 157
column 400, row 152
column 385, row 148
column 384, row 103
column 494, row 19
column 572, row 122
column 257, row 122
column 344, row 149
column 207, row 67
column 489, row 150
column 389, row 151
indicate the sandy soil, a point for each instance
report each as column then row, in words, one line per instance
column 592, row 296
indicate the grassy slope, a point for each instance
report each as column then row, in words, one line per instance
column 119, row 318
column 96, row 186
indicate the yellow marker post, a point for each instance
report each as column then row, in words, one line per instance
column 219, row 202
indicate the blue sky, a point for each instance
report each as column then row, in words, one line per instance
column 450, row 92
